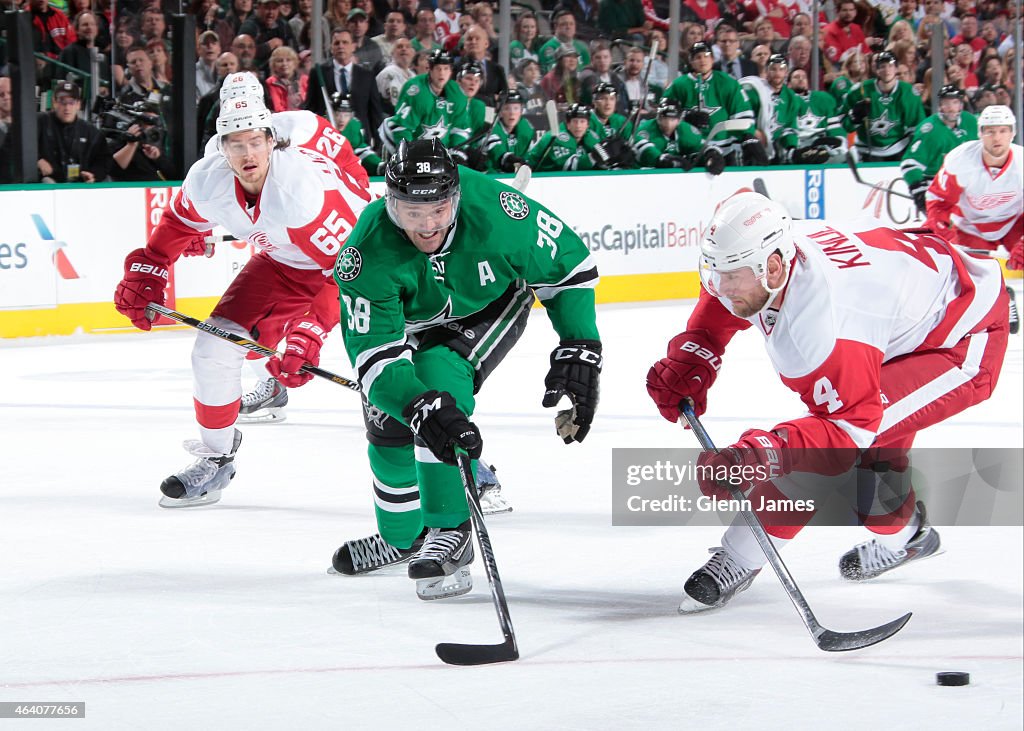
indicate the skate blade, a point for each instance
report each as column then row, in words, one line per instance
column 689, row 605
column 492, row 502
column 264, row 416
column 190, row 502
column 917, row 559
column 445, row 587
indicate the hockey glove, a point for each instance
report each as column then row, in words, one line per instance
column 919, row 191
column 713, row 161
column 687, row 372
column 1016, row 260
column 753, row 152
column 673, row 161
column 302, row 346
column 860, row 111
column 145, row 280
column 199, row 247
column 812, row 155
column 757, row 457
column 698, row 118
column 575, row 372
column 437, row 421
column 510, row 162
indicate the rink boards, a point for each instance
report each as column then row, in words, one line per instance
column 62, row 247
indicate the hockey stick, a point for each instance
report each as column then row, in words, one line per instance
column 825, row 639
column 852, row 162
column 522, row 179
column 246, row 343
column 551, row 112
column 460, row 654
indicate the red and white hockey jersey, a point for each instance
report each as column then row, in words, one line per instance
column 976, row 200
column 305, row 129
column 859, row 295
column 301, row 219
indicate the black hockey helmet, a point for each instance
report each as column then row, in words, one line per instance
column 669, row 108
column 949, row 91
column 439, row 57
column 777, row 59
column 421, row 171
column 698, row 48
column 512, row 96
column 471, row 68
column 884, row 57
column 603, row 87
column 341, row 102
column 577, row 111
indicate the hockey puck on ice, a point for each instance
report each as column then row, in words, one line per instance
column 953, row 678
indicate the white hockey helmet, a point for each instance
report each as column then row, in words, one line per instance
column 241, row 83
column 746, row 229
column 995, row 115
column 243, row 113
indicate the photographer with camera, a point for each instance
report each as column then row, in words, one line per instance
column 140, row 155
column 70, row 149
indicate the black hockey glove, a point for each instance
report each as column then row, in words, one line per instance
column 509, row 161
column 437, row 421
column 698, row 118
column 674, row 161
column 713, row 161
column 753, row 152
column 575, row 372
column 830, row 142
column 860, row 111
column 610, row 153
column 812, row 155
column 918, row 191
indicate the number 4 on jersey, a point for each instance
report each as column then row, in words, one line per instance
column 826, row 395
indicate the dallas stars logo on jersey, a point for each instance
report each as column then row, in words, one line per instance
column 514, row 205
column 350, row 263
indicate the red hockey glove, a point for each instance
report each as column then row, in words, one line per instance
column 305, row 338
column 199, row 247
column 1016, row 260
column 758, row 456
column 145, row 280
column 687, row 373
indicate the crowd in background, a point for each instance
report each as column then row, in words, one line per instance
column 563, row 51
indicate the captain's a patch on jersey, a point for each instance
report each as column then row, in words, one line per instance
column 349, row 264
column 514, row 205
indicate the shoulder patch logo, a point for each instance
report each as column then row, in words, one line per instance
column 413, row 90
column 926, row 127
column 563, row 136
column 514, row 205
column 349, row 264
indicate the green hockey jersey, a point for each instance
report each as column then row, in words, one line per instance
column 776, row 114
column 391, row 293
column 598, row 130
column 501, row 142
column 720, row 95
column 547, row 53
column 354, row 133
column 891, row 122
column 420, row 113
column 932, row 140
column 650, row 143
column 564, row 153
column 819, row 117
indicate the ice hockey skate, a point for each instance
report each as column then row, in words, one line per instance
column 870, row 559
column 715, row 583
column 265, row 403
column 441, row 567
column 364, row 555
column 202, row 481
column 492, row 501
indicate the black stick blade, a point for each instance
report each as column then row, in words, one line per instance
column 454, row 653
column 830, row 641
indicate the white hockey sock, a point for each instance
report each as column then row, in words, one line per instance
column 896, row 541
column 739, row 541
column 218, row 440
column 259, row 368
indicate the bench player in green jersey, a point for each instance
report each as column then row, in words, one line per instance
column 436, row 283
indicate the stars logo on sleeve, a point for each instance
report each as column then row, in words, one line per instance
column 349, row 264
column 514, row 205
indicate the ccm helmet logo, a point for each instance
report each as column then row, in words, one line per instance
column 148, row 269
column 423, row 191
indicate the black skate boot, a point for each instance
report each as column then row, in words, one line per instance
column 715, row 583
column 202, row 481
column 441, row 567
column 870, row 559
column 264, row 403
column 364, row 555
column 1014, row 314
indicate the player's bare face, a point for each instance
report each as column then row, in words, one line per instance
column 511, row 114
column 886, row 73
column 426, row 224
column 577, row 127
column 438, row 76
column 248, row 155
column 744, row 290
column 668, row 125
column 995, row 141
column 701, row 63
column 604, row 105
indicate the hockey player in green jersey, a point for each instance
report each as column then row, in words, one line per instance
column 668, row 142
column 883, row 111
column 936, row 135
column 471, row 151
column 609, row 134
column 819, row 121
column 352, row 130
column 511, row 136
column 436, row 281
column 710, row 97
column 564, row 149
column 430, row 105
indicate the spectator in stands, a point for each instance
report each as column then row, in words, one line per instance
column 70, row 149
column 394, row 28
column 985, row 96
column 694, row 33
column 286, row 86
column 425, row 38
column 206, row 13
column 206, row 66
column 657, row 79
column 140, row 156
column 585, row 14
column 476, row 48
column 907, row 11
column 843, row 36
column 375, row 27
column 141, row 84
column 760, row 55
column 901, row 30
column 992, row 72
column 968, row 35
column 239, row 12
column 244, row 48
column 622, row 19
column 935, row 11
column 764, row 33
column 963, row 56
column 6, row 107
column 343, row 74
column 453, row 43
column 801, row 27
column 268, row 29
column 79, row 53
column 528, row 86
column 562, row 83
column 51, row 34
column 730, row 61
column 368, row 54
column 853, row 71
column 483, row 16
column 446, row 19
column 799, row 57
column 153, row 24
column 526, row 41
column 161, row 63
column 337, row 14
column 707, row 13
column 564, row 23
column 393, row 77
column 600, row 72
column 303, row 15
column 420, row 63
column 126, row 35
column 209, row 104
column 632, row 76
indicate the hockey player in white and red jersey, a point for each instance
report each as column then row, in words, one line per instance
column 977, row 198
column 297, row 208
column 882, row 333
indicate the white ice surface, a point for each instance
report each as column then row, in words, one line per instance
column 224, row 617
